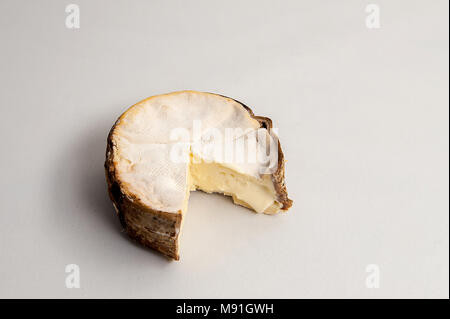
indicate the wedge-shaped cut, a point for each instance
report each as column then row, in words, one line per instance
column 168, row 145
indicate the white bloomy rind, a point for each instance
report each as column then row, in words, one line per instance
column 155, row 139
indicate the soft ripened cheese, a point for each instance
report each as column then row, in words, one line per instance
column 165, row 146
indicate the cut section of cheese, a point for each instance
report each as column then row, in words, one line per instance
column 168, row 145
column 246, row 190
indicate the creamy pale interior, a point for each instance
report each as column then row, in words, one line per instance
column 143, row 146
column 246, row 190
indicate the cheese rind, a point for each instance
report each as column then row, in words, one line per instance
column 149, row 186
column 154, row 138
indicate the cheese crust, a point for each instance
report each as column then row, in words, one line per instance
column 158, row 227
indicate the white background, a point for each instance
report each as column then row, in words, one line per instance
column 363, row 119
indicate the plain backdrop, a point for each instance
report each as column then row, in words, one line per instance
column 362, row 116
